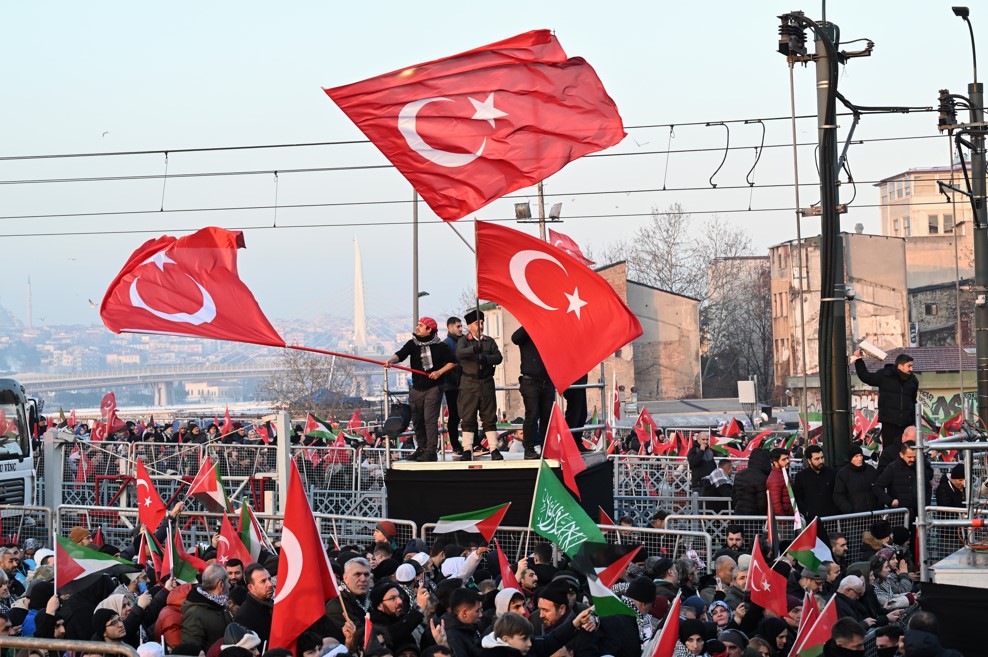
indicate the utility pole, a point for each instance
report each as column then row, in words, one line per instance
column 976, row 193
column 835, row 393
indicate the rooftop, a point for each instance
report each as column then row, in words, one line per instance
column 930, row 359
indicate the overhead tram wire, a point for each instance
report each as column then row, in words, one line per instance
column 406, row 222
column 370, row 167
column 345, row 204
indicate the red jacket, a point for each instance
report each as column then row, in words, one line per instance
column 169, row 621
column 777, row 492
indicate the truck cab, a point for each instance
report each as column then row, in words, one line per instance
column 18, row 417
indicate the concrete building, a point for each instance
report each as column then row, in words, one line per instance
column 663, row 363
column 874, row 266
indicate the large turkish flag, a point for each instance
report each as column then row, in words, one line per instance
column 468, row 129
column 305, row 580
column 572, row 315
column 187, row 286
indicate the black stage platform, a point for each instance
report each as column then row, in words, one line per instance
column 422, row 492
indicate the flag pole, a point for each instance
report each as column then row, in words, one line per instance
column 535, row 491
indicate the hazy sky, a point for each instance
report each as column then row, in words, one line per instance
column 123, row 76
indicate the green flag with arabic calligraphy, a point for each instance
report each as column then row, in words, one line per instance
column 558, row 517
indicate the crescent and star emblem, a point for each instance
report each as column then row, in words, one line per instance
column 291, row 547
column 204, row 315
column 517, row 268
column 483, row 111
column 147, row 500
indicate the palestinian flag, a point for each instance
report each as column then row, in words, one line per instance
column 603, row 518
column 316, row 427
column 869, row 450
column 952, row 425
column 663, row 642
column 251, row 534
column 207, row 487
column 605, row 561
column 604, row 600
column 808, row 549
column 150, row 549
column 98, row 539
column 797, row 522
column 484, row 522
column 176, row 562
column 78, row 567
column 723, row 445
column 731, row 429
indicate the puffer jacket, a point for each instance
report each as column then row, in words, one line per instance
column 898, row 482
column 748, row 498
column 203, row 621
column 169, row 623
column 776, row 485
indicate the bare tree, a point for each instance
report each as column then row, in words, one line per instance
column 310, row 382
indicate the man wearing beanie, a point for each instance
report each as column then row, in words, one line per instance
column 478, row 355
column 853, row 484
column 554, row 611
column 622, row 635
column 389, row 616
column 950, row 491
column 108, row 626
column 427, row 353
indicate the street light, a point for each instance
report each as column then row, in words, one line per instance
column 964, row 13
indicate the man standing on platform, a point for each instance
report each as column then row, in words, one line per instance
column 478, row 355
column 451, row 385
column 813, row 486
column 537, row 392
column 897, row 389
column 428, row 354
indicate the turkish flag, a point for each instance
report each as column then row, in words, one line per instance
column 99, row 432
column 646, row 430
column 768, row 588
column 305, row 580
column 560, row 445
column 230, row 546
column 227, row 424
column 150, row 508
column 508, row 579
column 571, row 313
column 72, row 420
column 187, row 286
column 107, row 405
column 468, row 129
column 566, row 243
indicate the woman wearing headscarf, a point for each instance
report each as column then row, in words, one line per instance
column 776, row 632
column 692, row 635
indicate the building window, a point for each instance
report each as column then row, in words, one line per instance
column 906, row 227
column 931, row 309
column 895, row 226
column 948, row 224
column 934, row 223
column 885, row 194
column 909, row 186
column 899, row 189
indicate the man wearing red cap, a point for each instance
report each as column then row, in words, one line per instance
column 430, row 354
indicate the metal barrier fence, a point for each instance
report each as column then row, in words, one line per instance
column 66, row 646
column 944, row 541
column 852, row 525
column 514, row 541
column 28, row 522
column 355, row 530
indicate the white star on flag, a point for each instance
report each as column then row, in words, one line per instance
column 159, row 259
column 485, row 111
column 147, row 501
column 575, row 302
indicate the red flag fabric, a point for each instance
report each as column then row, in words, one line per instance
column 150, row 509
column 187, row 286
column 604, row 519
column 665, row 644
column 806, row 620
column 732, row 429
column 82, row 468
column 190, row 559
column 301, row 600
column 227, row 424
column 508, row 579
column 72, row 420
column 114, row 423
column 553, row 295
column 355, row 421
column 230, row 546
column 108, row 405
column 952, row 424
column 263, row 433
column 98, row 539
column 468, row 129
column 768, row 588
column 609, row 576
column 566, row 243
column 559, row 445
column 99, row 432
column 755, row 443
column 817, row 634
column 616, row 402
column 646, row 429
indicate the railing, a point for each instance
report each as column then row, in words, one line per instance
column 944, row 541
column 852, row 525
column 67, row 646
column 25, row 522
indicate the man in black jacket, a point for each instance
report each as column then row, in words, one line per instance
column 748, row 498
column 701, row 460
column 462, row 622
column 896, row 486
column 853, row 485
column 451, row 386
column 256, row 611
column 813, row 486
column 429, row 354
column 389, row 616
column 950, row 490
column 537, row 392
column 897, row 389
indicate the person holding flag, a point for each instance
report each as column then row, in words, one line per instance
column 776, row 484
column 430, row 354
column 537, row 392
column 478, row 355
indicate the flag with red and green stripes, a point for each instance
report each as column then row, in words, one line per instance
column 208, row 489
column 797, row 521
column 483, row 521
column 78, row 567
column 316, row 427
